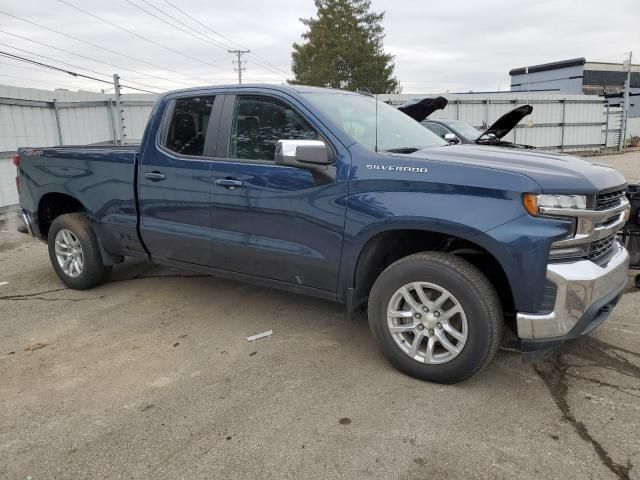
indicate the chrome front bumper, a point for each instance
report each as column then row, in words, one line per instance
column 586, row 292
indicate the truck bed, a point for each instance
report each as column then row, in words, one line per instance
column 103, row 176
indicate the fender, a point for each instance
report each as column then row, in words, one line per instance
column 520, row 245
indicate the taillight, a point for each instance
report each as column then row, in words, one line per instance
column 16, row 161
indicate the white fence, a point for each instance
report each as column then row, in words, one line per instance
column 558, row 122
column 40, row 118
column 32, row 117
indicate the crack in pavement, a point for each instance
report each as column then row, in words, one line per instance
column 28, row 295
column 554, row 373
column 37, row 295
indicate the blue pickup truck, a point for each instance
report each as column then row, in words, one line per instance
column 453, row 248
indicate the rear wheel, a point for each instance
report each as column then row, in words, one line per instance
column 74, row 252
column 436, row 317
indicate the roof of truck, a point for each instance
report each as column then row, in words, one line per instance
column 270, row 86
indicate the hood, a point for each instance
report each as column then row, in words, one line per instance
column 421, row 109
column 555, row 173
column 507, row 122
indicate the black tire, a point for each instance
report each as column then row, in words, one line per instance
column 93, row 272
column 637, row 281
column 475, row 295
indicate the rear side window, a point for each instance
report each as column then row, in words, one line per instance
column 188, row 127
column 259, row 123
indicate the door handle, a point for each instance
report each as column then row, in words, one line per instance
column 229, row 183
column 155, row 176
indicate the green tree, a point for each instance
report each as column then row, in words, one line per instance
column 343, row 48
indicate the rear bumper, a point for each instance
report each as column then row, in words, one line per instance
column 586, row 295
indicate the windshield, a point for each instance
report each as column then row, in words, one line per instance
column 356, row 115
column 464, row 129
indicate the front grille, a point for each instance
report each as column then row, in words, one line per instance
column 609, row 200
column 600, row 248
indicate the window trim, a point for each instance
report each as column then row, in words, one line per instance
column 226, row 125
column 213, row 126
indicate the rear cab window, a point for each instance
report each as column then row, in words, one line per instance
column 187, row 130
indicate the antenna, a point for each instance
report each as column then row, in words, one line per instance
column 375, row 99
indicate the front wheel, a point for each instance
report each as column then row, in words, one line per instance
column 74, row 252
column 436, row 317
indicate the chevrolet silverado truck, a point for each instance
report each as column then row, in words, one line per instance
column 336, row 195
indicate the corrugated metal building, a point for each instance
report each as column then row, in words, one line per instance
column 579, row 76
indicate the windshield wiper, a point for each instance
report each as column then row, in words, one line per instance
column 403, row 150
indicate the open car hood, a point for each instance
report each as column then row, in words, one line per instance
column 421, row 109
column 507, row 122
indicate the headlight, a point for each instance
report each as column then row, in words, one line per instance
column 533, row 202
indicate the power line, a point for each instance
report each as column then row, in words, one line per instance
column 69, row 64
column 85, row 57
column 223, row 36
column 206, row 39
column 100, row 47
column 138, row 35
column 69, row 72
column 57, row 85
column 188, row 32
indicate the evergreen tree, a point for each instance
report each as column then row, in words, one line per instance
column 343, row 49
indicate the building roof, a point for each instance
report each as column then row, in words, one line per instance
column 549, row 66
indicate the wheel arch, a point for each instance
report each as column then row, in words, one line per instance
column 384, row 246
column 52, row 205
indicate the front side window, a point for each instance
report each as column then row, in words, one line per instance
column 259, row 123
column 188, row 128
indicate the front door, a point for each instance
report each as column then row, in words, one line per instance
column 173, row 181
column 269, row 220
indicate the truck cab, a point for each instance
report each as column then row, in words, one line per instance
column 333, row 194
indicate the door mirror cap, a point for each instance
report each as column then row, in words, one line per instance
column 452, row 138
column 302, row 153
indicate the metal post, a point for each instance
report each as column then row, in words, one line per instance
column 239, row 62
column 57, row 115
column 122, row 140
column 515, row 129
column 625, row 108
column 564, row 110
column 606, row 127
column 110, row 112
column 486, row 113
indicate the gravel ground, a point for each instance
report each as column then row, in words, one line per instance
column 150, row 376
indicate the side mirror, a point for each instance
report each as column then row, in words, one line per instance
column 302, row 153
column 452, row 138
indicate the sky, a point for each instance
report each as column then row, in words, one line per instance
column 158, row 45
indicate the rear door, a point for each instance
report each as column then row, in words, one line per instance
column 173, row 180
column 269, row 220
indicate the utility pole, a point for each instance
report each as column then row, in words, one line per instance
column 625, row 108
column 122, row 140
column 240, row 63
